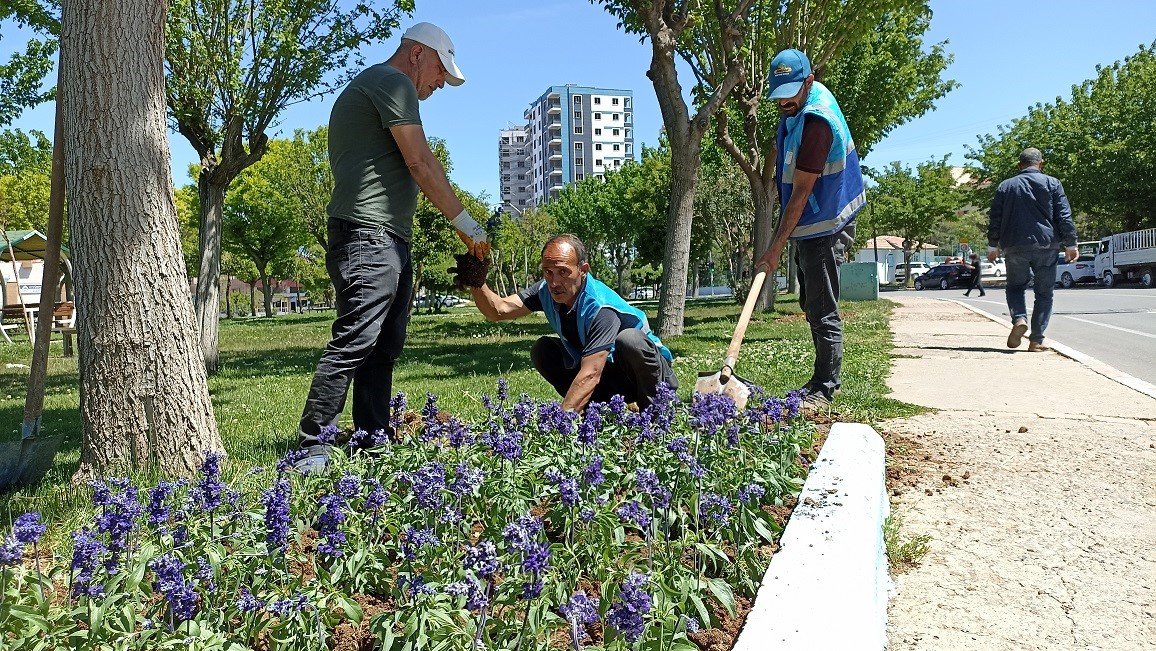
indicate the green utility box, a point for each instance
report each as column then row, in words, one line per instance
column 859, row 281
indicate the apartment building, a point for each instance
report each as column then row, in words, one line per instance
column 571, row 133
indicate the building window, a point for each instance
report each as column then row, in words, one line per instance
column 597, row 116
column 521, row 177
column 578, row 100
column 597, row 146
column 598, row 132
column 506, row 178
column 597, row 162
column 578, row 161
column 629, row 134
column 577, row 115
column 506, row 165
column 579, row 176
column 616, row 131
column 578, row 129
column 577, row 146
column 521, row 163
column 617, row 147
column 597, row 100
column 614, row 101
column 626, row 102
column 598, row 176
column 616, row 116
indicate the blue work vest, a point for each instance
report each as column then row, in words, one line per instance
column 592, row 298
column 838, row 193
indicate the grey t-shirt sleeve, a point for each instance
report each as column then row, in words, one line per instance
column 530, row 298
column 604, row 330
column 396, row 100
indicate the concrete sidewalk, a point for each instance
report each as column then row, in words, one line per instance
column 1037, row 484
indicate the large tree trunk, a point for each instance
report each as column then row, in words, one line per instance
column 267, row 294
column 764, row 199
column 144, row 399
column 676, row 256
column 212, row 196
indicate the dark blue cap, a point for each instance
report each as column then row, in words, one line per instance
column 789, row 69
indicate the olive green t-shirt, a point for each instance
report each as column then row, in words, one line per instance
column 372, row 184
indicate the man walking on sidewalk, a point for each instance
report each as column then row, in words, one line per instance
column 1030, row 220
column 820, row 191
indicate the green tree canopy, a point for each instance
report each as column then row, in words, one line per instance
column 22, row 76
column 25, row 179
column 1099, row 143
column 913, row 203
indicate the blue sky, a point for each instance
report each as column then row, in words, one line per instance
column 1008, row 56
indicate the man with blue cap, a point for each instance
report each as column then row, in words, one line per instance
column 820, row 191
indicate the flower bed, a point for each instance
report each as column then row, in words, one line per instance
column 533, row 529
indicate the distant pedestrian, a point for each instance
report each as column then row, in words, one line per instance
column 975, row 277
column 1030, row 221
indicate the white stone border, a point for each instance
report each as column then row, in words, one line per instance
column 1108, row 371
column 827, row 586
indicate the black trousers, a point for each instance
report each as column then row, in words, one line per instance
column 373, row 275
column 634, row 373
column 976, row 283
column 818, row 264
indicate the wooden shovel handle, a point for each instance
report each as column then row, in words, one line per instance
column 744, row 321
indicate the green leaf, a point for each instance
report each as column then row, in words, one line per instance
column 722, row 591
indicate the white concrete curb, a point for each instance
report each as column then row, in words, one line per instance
column 1108, row 371
column 827, row 586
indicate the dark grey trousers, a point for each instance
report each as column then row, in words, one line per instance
column 634, row 373
column 373, row 276
column 818, row 262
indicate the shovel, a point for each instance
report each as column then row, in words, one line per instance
column 725, row 381
column 25, row 462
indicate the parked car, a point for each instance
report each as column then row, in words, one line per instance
column 917, row 269
column 946, row 276
column 1083, row 270
column 997, row 269
column 438, row 300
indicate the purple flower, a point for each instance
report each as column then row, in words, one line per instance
column 291, row 457
column 532, row 589
column 427, row 484
column 568, row 489
column 692, row 625
column 158, row 509
column 581, row 609
column 290, row 606
column 626, row 614
column 209, row 490
column 591, row 423
column 475, row 598
column 456, row 432
column 617, row 407
column 206, row 575
column 553, row 475
column 520, row 533
column 377, row 496
column 503, row 389
column 751, row 493
column 415, row 539
column 592, row 475
column 327, row 435
column 176, row 589
column 467, row 479
column 586, row 514
column 648, row 483
column 418, row 586
column 329, row 525
column 28, row 529
column 349, row 486
column 397, row 411
column 276, row 503
column 505, row 442
column 794, row 402
column 733, row 434
column 710, row 411
column 11, row 552
column 661, row 408
column 680, row 446
column 120, row 508
column 536, row 558
column 482, row 558
column 247, row 603
column 632, row 511
column 87, row 552
column 715, row 507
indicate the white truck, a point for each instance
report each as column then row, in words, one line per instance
column 1127, row 256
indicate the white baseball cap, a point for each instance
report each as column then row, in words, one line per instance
column 431, row 35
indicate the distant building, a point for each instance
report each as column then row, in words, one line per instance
column 889, row 249
column 571, row 133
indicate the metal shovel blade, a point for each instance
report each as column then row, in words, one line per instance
column 734, row 386
column 25, row 462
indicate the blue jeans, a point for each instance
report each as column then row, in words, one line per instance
column 373, row 275
column 1020, row 267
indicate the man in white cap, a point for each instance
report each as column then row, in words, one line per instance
column 820, row 191
column 380, row 160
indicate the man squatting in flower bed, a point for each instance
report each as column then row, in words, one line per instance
column 604, row 347
column 380, row 159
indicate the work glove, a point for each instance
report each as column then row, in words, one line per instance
column 470, row 271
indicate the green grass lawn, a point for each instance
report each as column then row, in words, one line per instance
column 266, row 366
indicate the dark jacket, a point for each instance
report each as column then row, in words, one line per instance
column 1030, row 212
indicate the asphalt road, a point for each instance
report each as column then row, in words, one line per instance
column 1116, row 326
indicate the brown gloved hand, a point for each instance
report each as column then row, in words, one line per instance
column 470, row 271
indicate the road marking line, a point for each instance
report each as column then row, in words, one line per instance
column 1106, row 325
